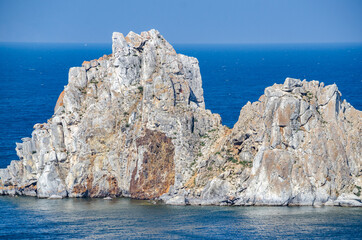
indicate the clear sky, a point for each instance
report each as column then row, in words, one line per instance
column 183, row 21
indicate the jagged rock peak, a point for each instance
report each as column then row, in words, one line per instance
column 134, row 124
column 115, row 119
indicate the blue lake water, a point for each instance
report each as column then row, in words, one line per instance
column 26, row 217
column 33, row 75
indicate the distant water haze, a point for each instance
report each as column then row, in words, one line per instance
column 33, row 75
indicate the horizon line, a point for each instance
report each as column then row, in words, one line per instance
column 197, row 43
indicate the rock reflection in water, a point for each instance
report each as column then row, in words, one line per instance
column 24, row 217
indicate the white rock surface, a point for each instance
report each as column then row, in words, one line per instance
column 134, row 124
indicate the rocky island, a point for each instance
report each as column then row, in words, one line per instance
column 134, row 124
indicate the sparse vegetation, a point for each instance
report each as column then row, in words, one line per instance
column 245, row 163
column 205, row 136
column 359, row 191
column 140, row 88
column 232, row 159
column 193, row 163
column 309, row 95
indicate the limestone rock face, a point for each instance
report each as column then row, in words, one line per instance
column 134, row 124
column 127, row 124
column 298, row 145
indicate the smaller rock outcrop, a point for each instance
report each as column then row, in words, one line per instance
column 300, row 144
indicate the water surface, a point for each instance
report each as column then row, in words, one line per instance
column 26, row 217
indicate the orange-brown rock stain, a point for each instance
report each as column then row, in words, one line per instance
column 157, row 173
column 114, row 190
column 127, row 39
column 284, row 116
column 59, row 101
column 191, row 182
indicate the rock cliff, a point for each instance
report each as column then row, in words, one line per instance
column 134, row 124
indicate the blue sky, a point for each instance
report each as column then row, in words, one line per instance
column 183, row 21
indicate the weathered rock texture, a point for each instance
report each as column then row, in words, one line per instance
column 134, row 124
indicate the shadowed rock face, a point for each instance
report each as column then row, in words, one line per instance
column 134, row 124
